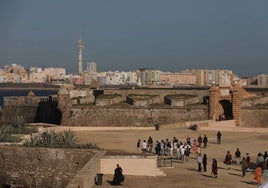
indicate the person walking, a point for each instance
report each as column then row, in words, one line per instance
column 260, row 160
column 244, row 166
column 199, row 140
column 139, row 146
column 228, row 160
column 219, row 137
column 258, row 175
column 205, row 141
column 144, row 146
column 204, row 161
column 237, row 156
column 248, row 160
column 199, row 162
column 265, row 156
column 214, row 168
column 118, row 176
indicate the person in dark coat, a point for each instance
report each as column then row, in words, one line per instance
column 228, row 160
column 205, row 141
column 118, row 176
column 219, row 137
column 244, row 166
column 204, row 162
column 214, row 169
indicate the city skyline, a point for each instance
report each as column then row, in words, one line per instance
column 125, row 36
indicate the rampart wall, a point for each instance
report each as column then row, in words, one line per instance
column 131, row 116
column 254, row 117
column 254, row 112
column 201, row 93
column 84, row 108
column 33, row 167
column 9, row 112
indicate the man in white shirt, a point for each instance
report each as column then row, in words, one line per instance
column 144, row 146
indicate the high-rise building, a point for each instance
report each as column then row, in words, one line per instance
column 80, row 48
column 148, row 76
column 92, row 67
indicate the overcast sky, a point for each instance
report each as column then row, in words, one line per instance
column 124, row 35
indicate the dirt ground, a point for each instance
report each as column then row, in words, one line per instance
column 183, row 174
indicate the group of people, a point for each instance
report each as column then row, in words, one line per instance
column 175, row 147
column 182, row 150
column 262, row 163
column 202, row 161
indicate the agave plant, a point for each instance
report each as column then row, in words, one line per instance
column 34, row 141
column 18, row 122
column 53, row 138
column 67, row 139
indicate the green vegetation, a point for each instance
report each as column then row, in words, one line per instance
column 65, row 139
column 16, row 126
column 5, row 136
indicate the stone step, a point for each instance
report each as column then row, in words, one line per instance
column 235, row 129
column 218, row 128
column 226, row 123
column 159, row 172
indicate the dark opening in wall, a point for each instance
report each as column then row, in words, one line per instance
column 48, row 112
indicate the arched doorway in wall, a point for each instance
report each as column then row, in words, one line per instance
column 227, row 109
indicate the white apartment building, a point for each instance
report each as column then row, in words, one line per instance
column 263, row 80
column 14, row 69
column 117, row 78
column 89, row 77
column 209, row 77
column 91, row 67
column 37, row 77
column 132, row 78
column 170, row 78
column 55, row 74
column 148, row 76
column 9, row 78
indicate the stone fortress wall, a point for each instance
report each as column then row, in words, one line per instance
column 134, row 107
column 254, row 112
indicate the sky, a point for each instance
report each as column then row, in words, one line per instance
column 124, row 35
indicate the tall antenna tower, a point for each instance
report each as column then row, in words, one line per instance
column 80, row 48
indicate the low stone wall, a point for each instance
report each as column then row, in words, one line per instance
column 108, row 101
column 254, row 117
column 131, row 116
column 181, row 100
column 41, row 167
column 85, row 177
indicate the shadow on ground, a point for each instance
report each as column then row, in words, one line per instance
column 233, row 174
column 249, row 182
column 207, row 176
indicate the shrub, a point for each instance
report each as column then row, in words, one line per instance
column 65, row 139
column 5, row 136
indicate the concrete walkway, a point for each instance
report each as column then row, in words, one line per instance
column 225, row 126
column 229, row 126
